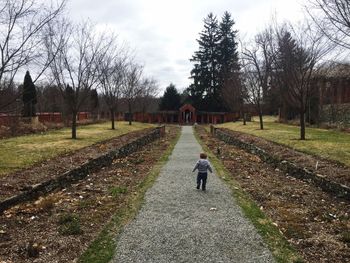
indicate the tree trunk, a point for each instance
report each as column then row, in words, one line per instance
column 244, row 118
column 74, row 125
column 30, row 109
column 283, row 113
column 242, row 114
column 112, row 119
column 259, row 108
column 261, row 120
column 302, row 124
column 130, row 117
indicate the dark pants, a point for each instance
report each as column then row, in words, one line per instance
column 202, row 177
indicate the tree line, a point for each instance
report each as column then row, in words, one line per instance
column 75, row 59
column 274, row 71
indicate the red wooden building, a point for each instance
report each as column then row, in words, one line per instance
column 187, row 114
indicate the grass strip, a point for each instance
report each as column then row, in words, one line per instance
column 103, row 248
column 276, row 242
column 24, row 151
column 328, row 144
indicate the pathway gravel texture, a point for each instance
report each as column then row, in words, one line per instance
column 179, row 223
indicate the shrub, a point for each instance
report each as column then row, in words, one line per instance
column 346, row 237
column 46, row 204
column 69, row 224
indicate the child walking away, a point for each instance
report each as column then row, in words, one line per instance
column 203, row 166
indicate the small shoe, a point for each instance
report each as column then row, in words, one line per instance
column 197, row 186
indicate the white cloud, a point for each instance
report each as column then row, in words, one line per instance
column 163, row 33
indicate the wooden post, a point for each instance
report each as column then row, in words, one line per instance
column 212, row 129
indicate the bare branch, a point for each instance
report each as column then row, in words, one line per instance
column 21, row 23
column 333, row 18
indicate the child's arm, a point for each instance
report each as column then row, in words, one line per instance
column 196, row 167
column 209, row 167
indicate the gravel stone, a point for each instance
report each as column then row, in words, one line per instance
column 179, row 223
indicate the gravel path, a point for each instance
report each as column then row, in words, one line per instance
column 179, row 223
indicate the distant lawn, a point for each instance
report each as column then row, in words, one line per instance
column 23, row 151
column 329, row 144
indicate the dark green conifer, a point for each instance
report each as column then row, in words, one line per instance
column 171, row 99
column 215, row 63
column 29, row 96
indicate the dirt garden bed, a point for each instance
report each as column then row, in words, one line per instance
column 17, row 182
column 315, row 223
column 331, row 170
column 60, row 226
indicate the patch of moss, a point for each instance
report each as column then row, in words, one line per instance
column 115, row 191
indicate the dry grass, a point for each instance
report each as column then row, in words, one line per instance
column 23, row 151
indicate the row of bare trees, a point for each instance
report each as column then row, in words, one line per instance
column 75, row 58
column 22, row 23
column 83, row 58
column 284, row 59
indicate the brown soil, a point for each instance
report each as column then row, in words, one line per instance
column 16, row 182
column 314, row 222
column 94, row 200
column 331, row 170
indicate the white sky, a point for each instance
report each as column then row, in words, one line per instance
column 163, row 33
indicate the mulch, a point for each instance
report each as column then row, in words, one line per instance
column 315, row 223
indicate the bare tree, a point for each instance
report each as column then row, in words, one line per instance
column 254, row 90
column 149, row 90
column 300, row 50
column 132, row 86
column 74, row 67
column 234, row 95
column 21, row 22
column 258, row 61
column 21, row 27
column 112, row 73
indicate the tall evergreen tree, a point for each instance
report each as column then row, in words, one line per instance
column 296, row 62
column 228, row 61
column 215, row 63
column 228, row 55
column 29, row 96
column 205, row 72
column 285, row 58
column 171, row 99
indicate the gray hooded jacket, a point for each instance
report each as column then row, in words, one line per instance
column 202, row 165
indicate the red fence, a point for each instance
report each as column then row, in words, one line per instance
column 55, row 117
column 7, row 119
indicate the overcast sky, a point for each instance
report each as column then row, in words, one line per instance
column 163, row 33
